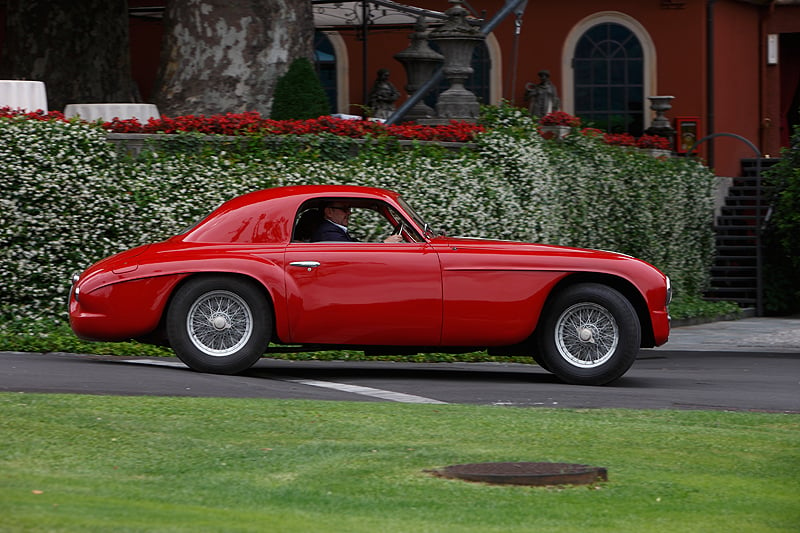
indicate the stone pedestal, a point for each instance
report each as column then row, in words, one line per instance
column 420, row 62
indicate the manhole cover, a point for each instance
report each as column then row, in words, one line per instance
column 525, row 473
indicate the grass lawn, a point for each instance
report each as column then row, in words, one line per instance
column 95, row 463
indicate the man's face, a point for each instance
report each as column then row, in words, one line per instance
column 339, row 213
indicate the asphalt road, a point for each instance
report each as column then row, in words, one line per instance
column 745, row 380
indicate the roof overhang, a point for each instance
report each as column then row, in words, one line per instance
column 331, row 14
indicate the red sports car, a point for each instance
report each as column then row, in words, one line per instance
column 277, row 270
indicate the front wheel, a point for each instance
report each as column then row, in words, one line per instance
column 219, row 324
column 590, row 335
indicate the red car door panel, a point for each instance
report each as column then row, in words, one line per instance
column 363, row 293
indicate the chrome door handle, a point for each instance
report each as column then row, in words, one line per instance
column 305, row 264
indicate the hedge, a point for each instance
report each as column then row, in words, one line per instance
column 70, row 199
column 782, row 235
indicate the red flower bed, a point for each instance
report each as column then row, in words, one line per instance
column 39, row 114
column 619, row 139
column 655, row 142
column 560, row 118
column 253, row 123
column 592, row 132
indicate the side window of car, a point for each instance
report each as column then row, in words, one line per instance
column 307, row 221
column 368, row 221
column 374, row 223
column 367, row 224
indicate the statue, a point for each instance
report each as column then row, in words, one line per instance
column 542, row 97
column 383, row 96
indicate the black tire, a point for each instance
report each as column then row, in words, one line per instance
column 219, row 324
column 590, row 335
column 537, row 356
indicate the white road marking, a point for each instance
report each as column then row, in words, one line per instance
column 343, row 387
column 365, row 391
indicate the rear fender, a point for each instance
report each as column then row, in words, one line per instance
column 268, row 274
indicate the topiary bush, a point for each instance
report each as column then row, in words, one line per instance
column 299, row 94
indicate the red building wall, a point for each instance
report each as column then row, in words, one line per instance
column 748, row 97
column 741, row 90
column 737, row 95
column 781, row 94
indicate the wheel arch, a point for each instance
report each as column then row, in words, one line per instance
column 621, row 285
column 159, row 336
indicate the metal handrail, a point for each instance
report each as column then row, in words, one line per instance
column 759, row 229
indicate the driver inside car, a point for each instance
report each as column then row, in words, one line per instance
column 334, row 226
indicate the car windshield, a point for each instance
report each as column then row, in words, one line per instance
column 429, row 232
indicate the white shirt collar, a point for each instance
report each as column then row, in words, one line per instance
column 343, row 228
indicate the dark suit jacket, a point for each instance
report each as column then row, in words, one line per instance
column 328, row 231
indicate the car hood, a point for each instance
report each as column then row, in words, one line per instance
column 498, row 245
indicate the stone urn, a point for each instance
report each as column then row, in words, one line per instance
column 420, row 62
column 457, row 39
column 660, row 125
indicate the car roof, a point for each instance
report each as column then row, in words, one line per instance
column 317, row 191
column 267, row 215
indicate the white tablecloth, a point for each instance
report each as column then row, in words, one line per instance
column 27, row 95
column 107, row 112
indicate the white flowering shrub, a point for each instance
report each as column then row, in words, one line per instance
column 61, row 209
column 70, row 200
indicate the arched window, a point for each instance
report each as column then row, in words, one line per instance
column 609, row 79
column 325, row 64
column 610, row 69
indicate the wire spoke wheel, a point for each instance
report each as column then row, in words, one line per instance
column 586, row 335
column 590, row 334
column 219, row 323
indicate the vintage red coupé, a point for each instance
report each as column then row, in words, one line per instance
column 250, row 275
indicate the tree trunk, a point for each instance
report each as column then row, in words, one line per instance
column 78, row 48
column 222, row 56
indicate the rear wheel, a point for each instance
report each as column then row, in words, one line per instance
column 590, row 335
column 219, row 324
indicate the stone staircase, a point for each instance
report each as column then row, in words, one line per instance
column 734, row 273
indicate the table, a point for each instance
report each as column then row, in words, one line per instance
column 22, row 94
column 107, row 112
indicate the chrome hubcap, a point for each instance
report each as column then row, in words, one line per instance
column 586, row 335
column 219, row 323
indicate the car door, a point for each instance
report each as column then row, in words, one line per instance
column 363, row 293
